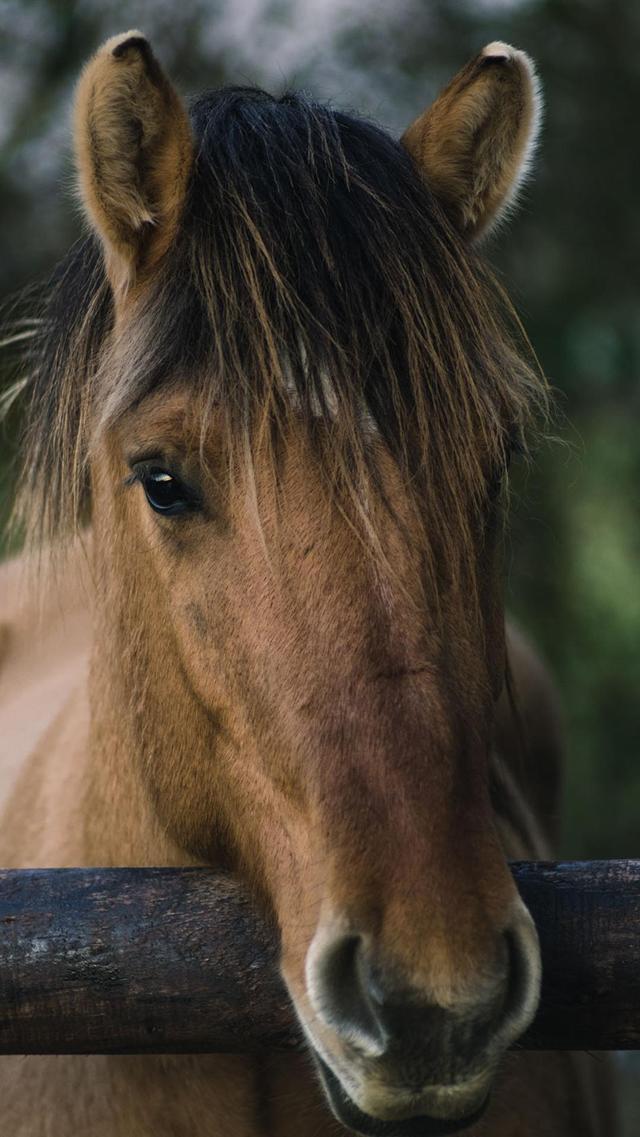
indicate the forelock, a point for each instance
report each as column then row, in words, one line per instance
column 313, row 268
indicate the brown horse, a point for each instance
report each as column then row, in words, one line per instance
column 281, row 383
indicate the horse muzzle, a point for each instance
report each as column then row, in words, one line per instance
column 393, row 1061
column 409, row 1119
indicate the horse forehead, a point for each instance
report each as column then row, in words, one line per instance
column 326, row 402
column 167, row 416
column 173, row 414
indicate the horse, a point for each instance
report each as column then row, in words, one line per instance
column 271, row 399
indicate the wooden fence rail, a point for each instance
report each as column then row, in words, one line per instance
column 170, row 960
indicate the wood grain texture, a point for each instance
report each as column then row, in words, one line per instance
column 176, row 960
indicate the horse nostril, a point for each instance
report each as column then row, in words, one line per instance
column 524, row 973
column 374, row 1011
column 338, row 985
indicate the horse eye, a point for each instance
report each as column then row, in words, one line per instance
column 165, row 493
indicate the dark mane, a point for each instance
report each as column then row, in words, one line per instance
column 313, row 268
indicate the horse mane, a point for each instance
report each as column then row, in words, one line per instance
column 313, row 268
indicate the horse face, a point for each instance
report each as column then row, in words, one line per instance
column 314, row 712
column 335, row 740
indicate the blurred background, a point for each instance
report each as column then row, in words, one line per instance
column 570, row 259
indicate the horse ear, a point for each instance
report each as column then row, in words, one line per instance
column 134, row 154
column 474, row 144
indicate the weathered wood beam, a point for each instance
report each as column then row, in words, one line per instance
column 176, row 960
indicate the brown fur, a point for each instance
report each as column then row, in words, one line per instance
column 297, row 680
column 134, row 155
column 452, row 387
column 475, row 142
column 537, row 1095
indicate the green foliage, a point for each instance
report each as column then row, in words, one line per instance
column 574, row 579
